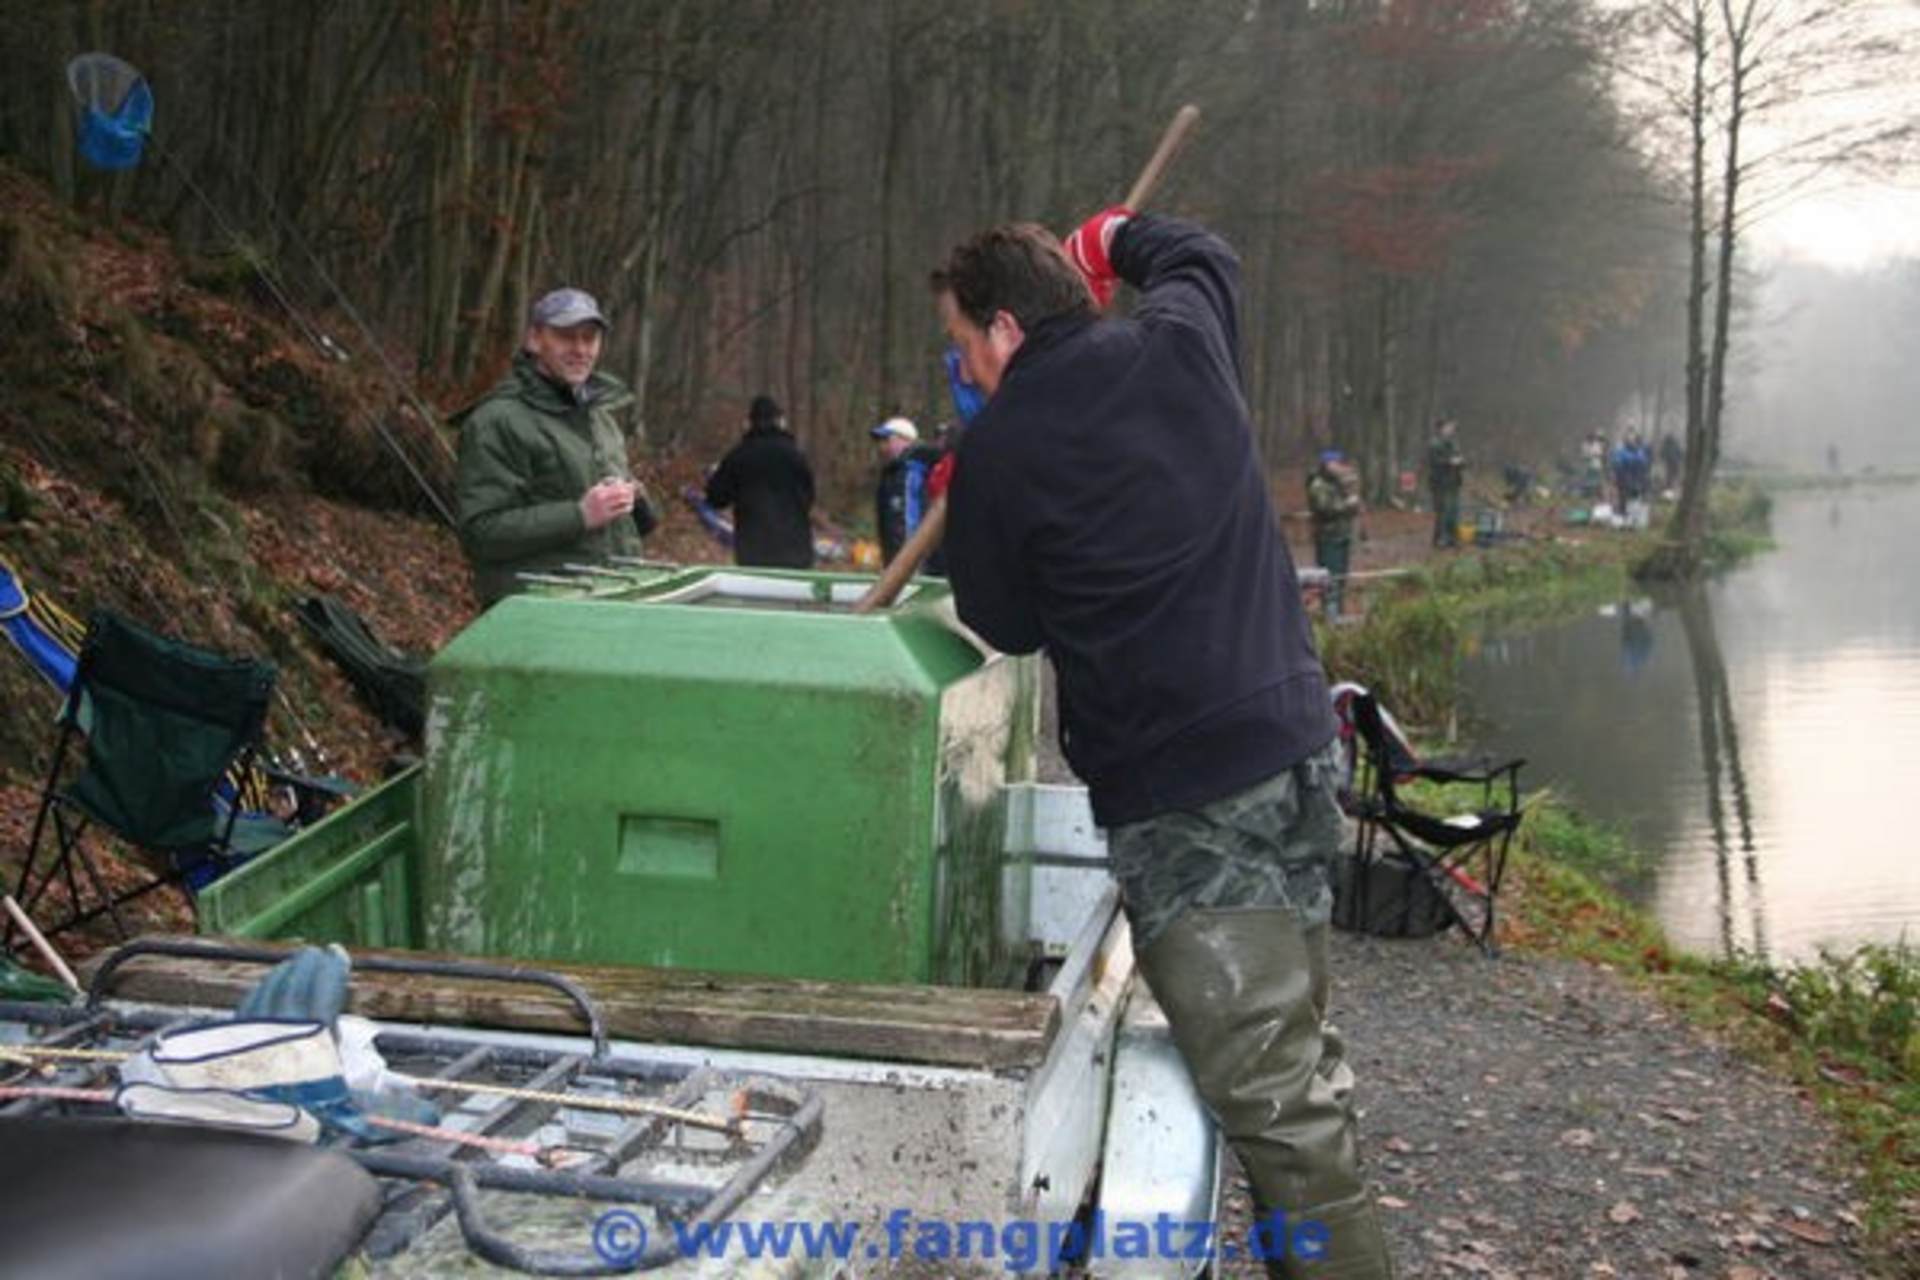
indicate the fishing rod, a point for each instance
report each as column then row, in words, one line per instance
column 315, row 336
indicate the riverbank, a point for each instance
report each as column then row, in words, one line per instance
column 1844, row 1028
column 1593, row 1102
column 1407, row 625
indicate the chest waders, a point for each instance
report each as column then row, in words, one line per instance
column 1245, row 991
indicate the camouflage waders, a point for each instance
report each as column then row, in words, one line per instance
column 1229, row 906
column 1334, row 555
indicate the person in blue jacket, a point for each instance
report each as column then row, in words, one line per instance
column 900, row 498
column 1107, row 505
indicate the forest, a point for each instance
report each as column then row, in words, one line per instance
column 1442, row 207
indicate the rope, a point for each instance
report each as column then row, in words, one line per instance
column 28, row 1052
column 549, row 1156
column 585, row 1102
column 505, row 1146
column 54, row 1093
column 66, row 629
column 576, row 1101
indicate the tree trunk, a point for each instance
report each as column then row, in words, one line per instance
column 1737, row 32
column 1680, row 554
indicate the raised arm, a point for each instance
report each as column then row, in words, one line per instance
column 1187, row 276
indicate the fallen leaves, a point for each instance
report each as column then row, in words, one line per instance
column 1811, row 1232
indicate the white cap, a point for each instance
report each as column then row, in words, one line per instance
column 896, row 427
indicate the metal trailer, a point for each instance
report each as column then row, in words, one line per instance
column 761, row 837
column 1093, row 1117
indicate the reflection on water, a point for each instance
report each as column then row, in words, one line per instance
column 1720, row 746
column 1761, row 734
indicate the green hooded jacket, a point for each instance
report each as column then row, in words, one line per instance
column 1333, row 504
column 528, row 451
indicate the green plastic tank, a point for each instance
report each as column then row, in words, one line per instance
column 727, row 770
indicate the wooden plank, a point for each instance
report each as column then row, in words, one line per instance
column 944, row 1026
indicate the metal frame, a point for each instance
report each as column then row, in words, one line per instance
column 434, row 1163
column 475, row 970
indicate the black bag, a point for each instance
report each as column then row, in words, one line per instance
column 1387, row 896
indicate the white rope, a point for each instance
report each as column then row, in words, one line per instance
column 54, row 1093
column 585, row 1102
column 577, row 1101
column 549, row 1156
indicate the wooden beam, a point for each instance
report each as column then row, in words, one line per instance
column 944, row 1026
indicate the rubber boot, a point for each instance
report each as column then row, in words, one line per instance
column 1244, row 991
column 1333, row 1066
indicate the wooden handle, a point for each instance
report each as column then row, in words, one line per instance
column 40, row 943
column 1170, row 143
column 904, row 565
column 906, row 562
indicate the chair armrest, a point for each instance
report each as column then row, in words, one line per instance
column 1482, row 770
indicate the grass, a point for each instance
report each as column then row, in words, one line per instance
column 1407, row 646
column 1846, row 1028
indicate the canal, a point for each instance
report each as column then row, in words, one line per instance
column 1759, row 736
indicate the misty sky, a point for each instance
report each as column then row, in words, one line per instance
column 1827, row 357
column 1826, row 351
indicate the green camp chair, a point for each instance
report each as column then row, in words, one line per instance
column 164, row 724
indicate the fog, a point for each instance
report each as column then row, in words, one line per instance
column 1829, row 358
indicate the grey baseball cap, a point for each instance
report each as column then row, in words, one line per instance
column 564, row 308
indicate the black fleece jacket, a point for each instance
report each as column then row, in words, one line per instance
column 1108, row 506
column 767, row 481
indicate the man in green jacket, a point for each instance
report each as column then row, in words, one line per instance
column 1333, row 500
column 544, row 479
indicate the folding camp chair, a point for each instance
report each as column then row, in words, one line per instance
column 1409, row 863
column 166, row 727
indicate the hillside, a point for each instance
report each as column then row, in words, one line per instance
column 173, row 448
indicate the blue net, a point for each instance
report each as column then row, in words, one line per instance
column 116, row 110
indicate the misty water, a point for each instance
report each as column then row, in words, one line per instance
column 1760, row 736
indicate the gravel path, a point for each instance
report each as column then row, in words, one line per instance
column 1529, row 1117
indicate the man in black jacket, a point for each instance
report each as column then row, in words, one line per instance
column 1108, row 505
column 766, row 480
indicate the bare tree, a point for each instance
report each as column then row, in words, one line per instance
column 1795, row 75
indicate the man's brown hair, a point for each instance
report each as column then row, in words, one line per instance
column 1018, row 268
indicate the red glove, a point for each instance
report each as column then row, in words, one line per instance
column 940, row 478
column 1087, row 249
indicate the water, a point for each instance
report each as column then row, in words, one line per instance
column 1760, row 736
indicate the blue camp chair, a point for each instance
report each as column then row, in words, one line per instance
column 165, row 728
